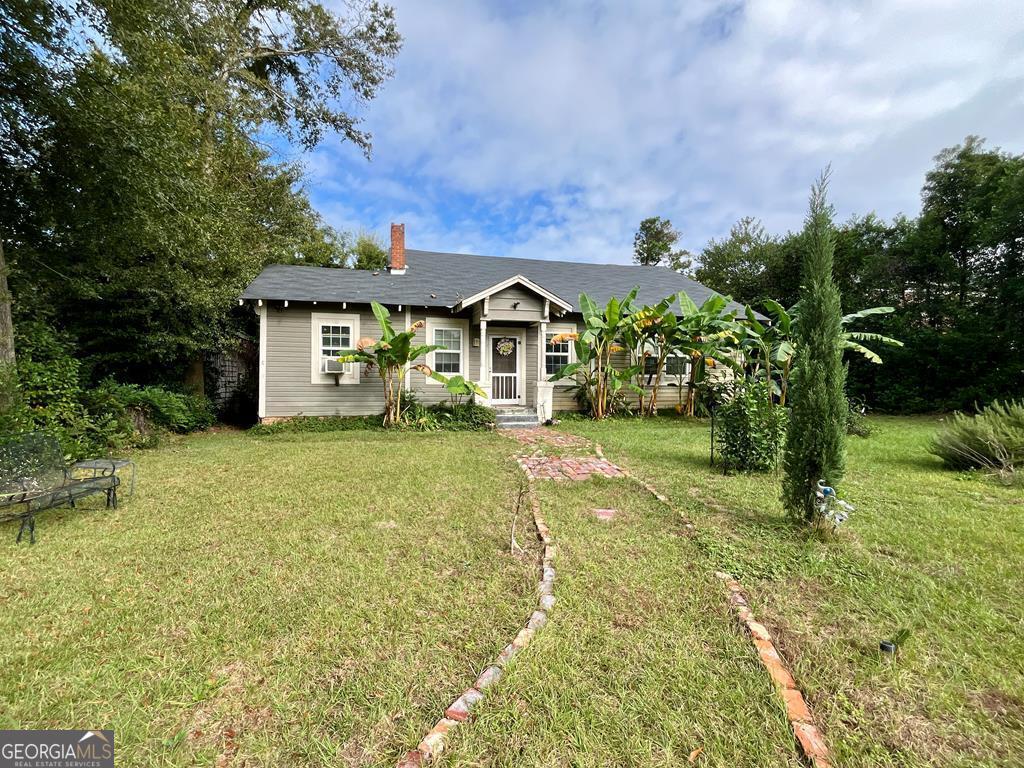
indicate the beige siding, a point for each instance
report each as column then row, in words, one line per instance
column 515, row 303
column 289, row 391
column 289, row 364
column 532, row 345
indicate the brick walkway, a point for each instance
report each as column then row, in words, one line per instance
column 562, row 467
column 542, row 436
column 557, row 468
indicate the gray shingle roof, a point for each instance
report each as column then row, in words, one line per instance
column 443, row 279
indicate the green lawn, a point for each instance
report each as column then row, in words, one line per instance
column 640, row 664
column 295, row 600
column 936, row 552
column 318, row 600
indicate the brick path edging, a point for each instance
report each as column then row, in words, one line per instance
column 459, row 711
column 807, row 733
column 799, row 715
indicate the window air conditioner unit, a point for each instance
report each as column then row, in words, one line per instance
column 330, row 365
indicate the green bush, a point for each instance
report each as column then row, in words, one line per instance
column 319, row 424
column 465, row 417
column 416, row 417
column 174, row 411
column 750, row 429
column 91, row 421
column 857, row 423
column 993, row 439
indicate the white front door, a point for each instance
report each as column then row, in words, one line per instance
column 505, row 350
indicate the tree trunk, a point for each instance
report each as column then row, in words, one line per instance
column 653, row 404
column 691, row 387
column 6, row 323
column 8, row 371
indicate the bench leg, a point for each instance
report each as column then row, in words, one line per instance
column 112, row 498
column 29, row 521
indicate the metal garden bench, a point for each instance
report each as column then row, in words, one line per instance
column 34, row 477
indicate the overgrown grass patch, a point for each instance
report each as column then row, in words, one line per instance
column 929, row 550
column 302, row 600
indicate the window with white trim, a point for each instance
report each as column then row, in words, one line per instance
column 333, row 339
column 331, row 335
column 675, row 364
column 556, row 354
column 448, row 360
column 562, row 353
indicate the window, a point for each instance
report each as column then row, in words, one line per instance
column 555, row 355
column 449, row 359
column 675, row 364
column 334, row 339
column 330, row 335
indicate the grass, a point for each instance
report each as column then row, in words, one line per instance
column 935, row 552
column 318, row 599
column 641, row 664
column 296, row 600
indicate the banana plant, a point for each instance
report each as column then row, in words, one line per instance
column 772, row 346
column 458, row 387
column 599, row 341
column 709, row 335
column 852, row 339
column 393, row 355
column 650, row 326
column 774, row 350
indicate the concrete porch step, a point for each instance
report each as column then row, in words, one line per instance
column 515, row 417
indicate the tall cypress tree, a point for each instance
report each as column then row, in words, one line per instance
column 815, row 443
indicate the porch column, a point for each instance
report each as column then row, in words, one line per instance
column 485, row 379
column 543, row 326
column 545, row 390
column 483, row 352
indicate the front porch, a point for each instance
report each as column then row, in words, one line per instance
column 515, row 320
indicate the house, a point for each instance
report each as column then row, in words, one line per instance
column 495, row 318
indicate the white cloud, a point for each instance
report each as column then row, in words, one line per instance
column 551, row 131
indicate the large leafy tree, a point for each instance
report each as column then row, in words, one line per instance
column 149, row 194
column 815, row 442
column 954, row 276
column 742, row 263
column 655, row 244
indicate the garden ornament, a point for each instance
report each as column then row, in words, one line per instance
column 831, row 507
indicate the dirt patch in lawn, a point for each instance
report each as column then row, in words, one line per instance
column 219, row 721
column 1004, row 707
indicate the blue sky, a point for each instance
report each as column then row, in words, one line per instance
column 549, row 130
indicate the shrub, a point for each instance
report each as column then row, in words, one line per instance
column 993, row 439
column 87, row 422
column 464, row 417
column 319, row 424
column 750, row 429
column 816, row 441
column 174, row 411
column 416, row 417
column 857, row 423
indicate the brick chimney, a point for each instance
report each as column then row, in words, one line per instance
column 398, row 249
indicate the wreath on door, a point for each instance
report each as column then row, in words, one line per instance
column 505, row 347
